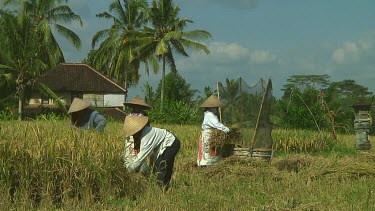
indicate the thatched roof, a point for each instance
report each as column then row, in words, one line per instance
column 79, row 77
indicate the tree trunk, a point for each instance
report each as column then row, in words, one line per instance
column 20, row 91
column 162, row 86
column 126, row 93
column 20, row 106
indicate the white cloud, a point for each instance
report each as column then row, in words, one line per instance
column 262, row 57
column 351, row 52
column 229, row 52
column 348, row 52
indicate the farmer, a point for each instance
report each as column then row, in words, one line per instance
column 160, row 145
column 139, row 108
column 84, row 117
column 207, row 155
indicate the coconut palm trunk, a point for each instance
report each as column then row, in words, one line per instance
column 162, row 85
column 20, row 107
column 21, row 93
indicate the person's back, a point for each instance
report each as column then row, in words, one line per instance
column 158, row 144
column 138, row 108
column 84, row 117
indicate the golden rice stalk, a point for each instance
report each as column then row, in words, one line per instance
column 218, row 138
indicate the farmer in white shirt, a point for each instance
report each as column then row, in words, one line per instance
column 207, row 155
column 158, row 144
column 139, row 108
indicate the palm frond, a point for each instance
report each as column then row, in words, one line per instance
column 196, row 35
column 65, row 14
column 70, row 35
column 194, row 46
column 45, row 90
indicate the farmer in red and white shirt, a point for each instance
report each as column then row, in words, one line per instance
column 206, row 154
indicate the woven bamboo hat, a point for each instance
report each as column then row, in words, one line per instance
column 78, row 105
column 133, row 124
column 211, row 102
column 138, row 101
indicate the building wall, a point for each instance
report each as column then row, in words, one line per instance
column 36, row 99
column 96, row 100
column 114, row 100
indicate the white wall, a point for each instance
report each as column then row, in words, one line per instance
column 114, row 100
column 96, row 100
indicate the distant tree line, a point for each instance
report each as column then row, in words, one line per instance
column 142, row 36
column 310, row 102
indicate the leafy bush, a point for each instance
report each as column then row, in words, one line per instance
column 177, row 113
column 4, row 115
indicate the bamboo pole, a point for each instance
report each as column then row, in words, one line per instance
column 241, row 110
column 218, row 96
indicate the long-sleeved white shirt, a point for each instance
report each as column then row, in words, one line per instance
column 211, row 121
column 153, row 143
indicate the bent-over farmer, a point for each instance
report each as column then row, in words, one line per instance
column 139, row 108
column 84, row 117
column 160, row 145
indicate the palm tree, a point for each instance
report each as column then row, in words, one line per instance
column 21, row 49
column 166, row 37
column 46, row 17
column 30, row 45
column 116, row 53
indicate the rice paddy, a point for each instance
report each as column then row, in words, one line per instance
column 48, row 165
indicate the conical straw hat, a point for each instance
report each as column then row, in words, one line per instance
column 138, row 101
column 211, row 102
column 133, row 124
column 78, row 105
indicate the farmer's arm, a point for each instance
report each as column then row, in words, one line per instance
column 146, row 149
column 214, row 122
column 100, row 122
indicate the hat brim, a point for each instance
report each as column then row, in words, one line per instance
column 144, row 107
column 78, row 105
column 211, row 102
column 134, row 124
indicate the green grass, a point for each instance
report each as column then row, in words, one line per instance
column 45, row 157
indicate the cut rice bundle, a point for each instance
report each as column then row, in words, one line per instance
column 219, row 138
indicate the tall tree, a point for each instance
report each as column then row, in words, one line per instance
column 21, row 62
column 303, row 82
column 47, row 17
column 167, row 37
column 7, row 82
column 348, row 89
column 176, row 89
column 116, row 53
column 30, row 45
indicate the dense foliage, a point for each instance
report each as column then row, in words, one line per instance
column 28, row 44
column 148, row 35
column 181, row 107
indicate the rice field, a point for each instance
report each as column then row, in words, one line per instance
column 46, row 165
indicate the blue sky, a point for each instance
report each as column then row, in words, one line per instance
column 262, row 38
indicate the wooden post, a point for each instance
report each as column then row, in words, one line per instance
column 218, row 96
